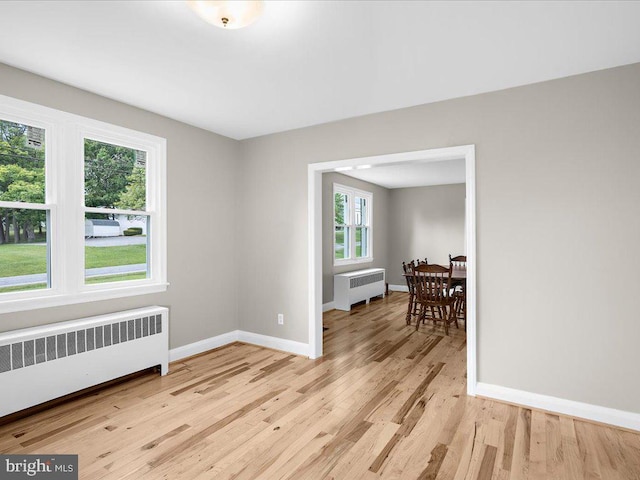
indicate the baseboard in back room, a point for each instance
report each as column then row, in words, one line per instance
column 399, row 288
column 328, row 306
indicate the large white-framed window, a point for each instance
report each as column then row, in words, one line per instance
column 352, row 225
column 82, row 209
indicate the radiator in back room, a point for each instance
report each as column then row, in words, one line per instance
column 353, row 287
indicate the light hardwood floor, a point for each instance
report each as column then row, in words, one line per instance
column 384, row 402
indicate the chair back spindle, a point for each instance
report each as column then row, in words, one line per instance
column 458, row 262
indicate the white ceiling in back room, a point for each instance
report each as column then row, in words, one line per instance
column 411, row 174
column 309, row 62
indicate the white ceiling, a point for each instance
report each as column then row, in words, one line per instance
column 310, row 62
column 412, row 174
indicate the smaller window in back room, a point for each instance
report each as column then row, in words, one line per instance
column 352, row 237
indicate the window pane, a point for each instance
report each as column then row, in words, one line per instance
column 114, row 176
column 21, row 163
column 115, row 248
column 341, row 243
column 360, row 211
column 341, row 208
column 24, row 252
column 362, row 242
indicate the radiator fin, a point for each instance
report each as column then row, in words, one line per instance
column 5, row 358
column 54, row 347
column 81, row 342
column 51, row 348
column 71, row 343
column 91, row 340
column 107, row 335
column 29, row 353
column 62, row 345
column 40, row 350
column 123, row 331
column 16, row 355
column 99, row 341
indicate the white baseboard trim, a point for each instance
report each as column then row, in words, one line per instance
column 328, row 306
column 207, row 344
column 399, row 288
column 203, row 345
column 596, row 413
column 276, row 343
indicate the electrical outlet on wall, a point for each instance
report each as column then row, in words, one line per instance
column 281, row 319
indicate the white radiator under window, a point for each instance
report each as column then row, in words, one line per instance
column 43, row 363
column 353, row 287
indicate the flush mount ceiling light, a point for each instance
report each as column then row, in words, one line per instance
column 230, row 14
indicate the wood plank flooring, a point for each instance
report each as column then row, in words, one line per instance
column 385, row 401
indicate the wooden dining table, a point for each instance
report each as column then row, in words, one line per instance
column 459, row 274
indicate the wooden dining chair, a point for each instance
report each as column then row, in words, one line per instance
column 432, row 291
column 459, row 289
column 412, row 307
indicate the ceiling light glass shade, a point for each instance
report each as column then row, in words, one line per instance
column 230, row 14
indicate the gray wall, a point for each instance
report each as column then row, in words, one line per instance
column 202, row 174
column 558, row 203
column 424, row 222
column 557, row 207
column 380, row 227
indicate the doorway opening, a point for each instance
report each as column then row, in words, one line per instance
column 315, row 171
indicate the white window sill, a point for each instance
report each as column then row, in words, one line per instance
column 339, row 263
column 50, row 298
